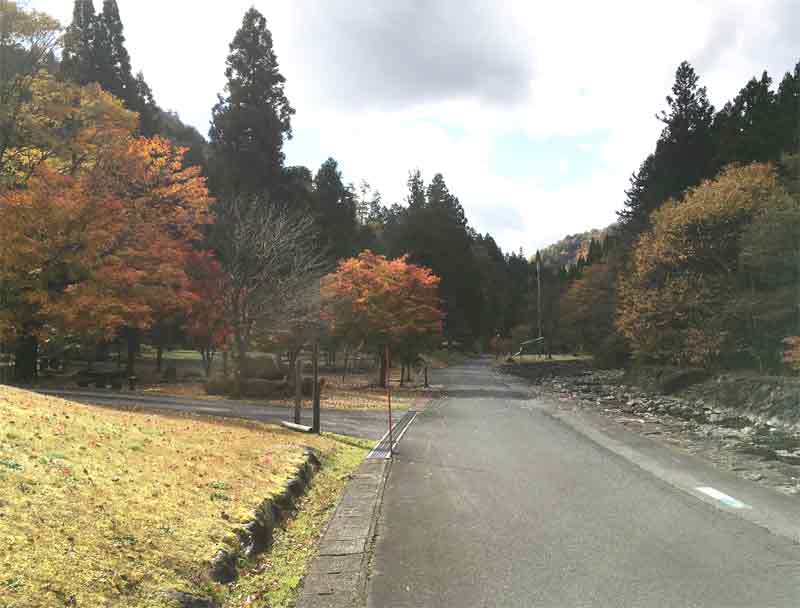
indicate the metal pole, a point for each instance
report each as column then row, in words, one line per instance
column 539, row 292
column 315, row 426
column 389, row 396
column 298, row 389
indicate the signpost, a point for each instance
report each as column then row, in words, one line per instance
column 388, row 379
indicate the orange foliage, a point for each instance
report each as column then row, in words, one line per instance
column 107, row 248
column 207, row 323
column 375, row 301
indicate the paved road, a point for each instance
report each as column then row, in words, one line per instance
column 493, row 502
column 368, row 425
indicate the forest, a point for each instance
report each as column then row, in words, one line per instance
column 703, row 267
column 122, row 226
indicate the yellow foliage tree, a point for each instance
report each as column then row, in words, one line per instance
column 682, row 300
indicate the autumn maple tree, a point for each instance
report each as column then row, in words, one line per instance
column 207, row 324
column 104, row 251
column 376, row 302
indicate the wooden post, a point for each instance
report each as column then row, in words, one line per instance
column 298, row 389
column 315, row 425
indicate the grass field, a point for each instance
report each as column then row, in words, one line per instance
column 105, row 508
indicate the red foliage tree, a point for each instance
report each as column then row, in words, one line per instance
column 106, row 250
column 206, row 320
column 376, row 302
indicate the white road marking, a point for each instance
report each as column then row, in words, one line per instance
column 396, row 440
column 729, row 501
column 377, row 445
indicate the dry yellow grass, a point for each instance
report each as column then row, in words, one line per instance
column 106, row 508
column 353, row 392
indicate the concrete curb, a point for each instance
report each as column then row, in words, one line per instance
column 337, row 577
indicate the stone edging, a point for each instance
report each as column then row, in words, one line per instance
column 255, row 536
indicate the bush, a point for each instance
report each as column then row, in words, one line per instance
column 264, row 368
column 612, row 352
column 219, row 385
column 261, row 389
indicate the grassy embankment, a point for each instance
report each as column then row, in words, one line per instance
column 107, row 508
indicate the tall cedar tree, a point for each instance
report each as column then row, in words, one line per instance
column 78, row 60
column 683, row 152
column 335, row 211
column 249, row 124
column 94, row 51
column 433, row 231
column 113, row 61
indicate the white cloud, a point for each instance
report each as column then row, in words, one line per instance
column 385, row 88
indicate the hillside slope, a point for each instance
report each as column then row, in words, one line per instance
column 571, row 248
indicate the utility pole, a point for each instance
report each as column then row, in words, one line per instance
column 539, row 291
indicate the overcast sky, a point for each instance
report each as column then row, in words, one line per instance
column 535, row 112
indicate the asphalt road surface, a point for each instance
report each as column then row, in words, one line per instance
column 493, row 502
column 365, row 424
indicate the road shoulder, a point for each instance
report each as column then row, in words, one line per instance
column 686, row 472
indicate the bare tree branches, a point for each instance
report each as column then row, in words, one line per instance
column 272, row 265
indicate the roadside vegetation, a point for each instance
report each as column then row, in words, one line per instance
column 100, row 507
column 273, row 580
column 703, row 268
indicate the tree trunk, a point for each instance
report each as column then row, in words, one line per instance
column 26, row 359
column 346, row 359
column 382, row 368
column 207, row 355
column 132, row 339
column 239, row 364
column 159, row 357
column 297, row 367
column 225, row 362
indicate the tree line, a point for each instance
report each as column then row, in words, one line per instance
column 703, row 268
column 122, row 225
